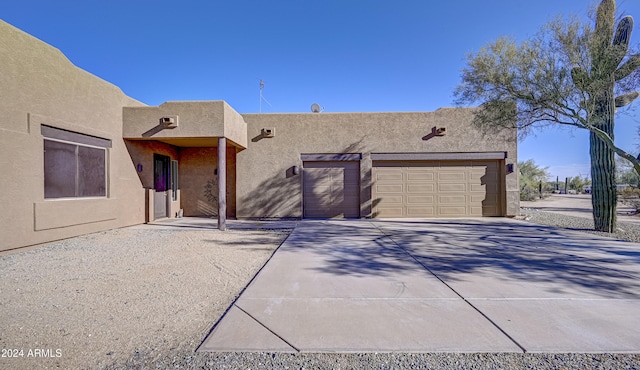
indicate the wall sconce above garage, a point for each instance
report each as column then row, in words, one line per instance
column 510, row 168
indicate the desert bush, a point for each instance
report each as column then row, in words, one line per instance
column 629, row 193
column 527, row 193
column 631, row 197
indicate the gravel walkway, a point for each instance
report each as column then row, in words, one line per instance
column 134, row 298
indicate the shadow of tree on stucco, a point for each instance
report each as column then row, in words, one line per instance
column 452, row 250
column 274, row 197
column 279, row 197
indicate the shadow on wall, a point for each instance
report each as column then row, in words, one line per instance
column 211, row 194
column 141, row 154
column 453, row 249
column 281, row 195
column 277, row 197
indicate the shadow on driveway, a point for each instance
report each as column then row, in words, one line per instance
column 454, row 249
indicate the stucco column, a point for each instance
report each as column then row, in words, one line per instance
column 222, row 183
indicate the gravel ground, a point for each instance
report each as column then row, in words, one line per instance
column 106, row 298
column 625, row 230
column 137, row 299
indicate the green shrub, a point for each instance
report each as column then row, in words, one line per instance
column 527, row 193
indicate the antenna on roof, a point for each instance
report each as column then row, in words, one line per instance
column 262, row 97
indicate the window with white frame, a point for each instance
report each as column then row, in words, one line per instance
column 75, row 165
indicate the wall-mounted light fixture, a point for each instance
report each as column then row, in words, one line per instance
column 169, row 121
column 510, row 168
column 435, row 131
column 292, row 171
column 139, row 167
column 269, row 132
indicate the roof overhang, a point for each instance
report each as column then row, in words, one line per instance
column 466, row 156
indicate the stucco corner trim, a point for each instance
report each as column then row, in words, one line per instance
column 331, row 157
column 438, row 156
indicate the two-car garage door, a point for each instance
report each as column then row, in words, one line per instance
column 436, row 189
column 427, row 188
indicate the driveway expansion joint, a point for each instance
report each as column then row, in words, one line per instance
column 524, row 350
column 438, row 286
column 267, row 328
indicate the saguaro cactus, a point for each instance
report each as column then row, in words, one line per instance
column 608, row 50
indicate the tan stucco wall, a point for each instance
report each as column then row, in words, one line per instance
column 39, row 85
column 196, row 120
column 265, row 187
column 197, row 166
column 141, row 153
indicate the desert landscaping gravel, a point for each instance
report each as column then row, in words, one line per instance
column 145, row 299
column 104, row 298
column 625, row 230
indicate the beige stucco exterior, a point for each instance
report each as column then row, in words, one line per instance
column 199, row 124
column 265, row 187
column 40, row 86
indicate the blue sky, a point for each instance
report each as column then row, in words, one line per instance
column 347, row 56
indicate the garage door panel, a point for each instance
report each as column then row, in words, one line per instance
column 318, row 178
column 491, row 198
column 392, row 188
column 425, row 199
column 420, row 212
column 492, row 188
column 477, row 176
column 420, row 176
column 421, row 188
column 452, row 211
column 389, row 212
column 392, row 199
column 452, row 187
column 389, row 176
column 350, row 193
column 436, row 188
column 481, row 198
column 452, row 199
column 331, row 189
column 318, row 196
column 491, row 211
column 351, row 178
column 451, row 176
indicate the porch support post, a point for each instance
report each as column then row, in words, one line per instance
column 222, row 183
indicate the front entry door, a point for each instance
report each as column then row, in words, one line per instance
column 161, row 185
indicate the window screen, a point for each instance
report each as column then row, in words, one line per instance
column 74, row 168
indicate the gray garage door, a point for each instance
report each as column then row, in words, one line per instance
column 436, row 189
column 331, row 189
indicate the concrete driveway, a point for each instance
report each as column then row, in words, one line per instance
column 481, row 285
